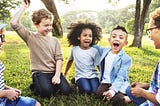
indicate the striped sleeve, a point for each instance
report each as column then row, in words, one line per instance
column 2, row 84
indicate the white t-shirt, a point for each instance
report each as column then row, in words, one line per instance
column 85, row 62
column 108, row 65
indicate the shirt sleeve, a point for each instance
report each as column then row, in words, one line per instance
column 71, row 54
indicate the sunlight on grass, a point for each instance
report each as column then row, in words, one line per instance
column 16, row 59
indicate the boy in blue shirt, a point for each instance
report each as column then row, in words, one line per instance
column 114, row 68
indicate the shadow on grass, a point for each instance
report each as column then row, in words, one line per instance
column 74, row 99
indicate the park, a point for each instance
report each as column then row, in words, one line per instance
column 15, row 56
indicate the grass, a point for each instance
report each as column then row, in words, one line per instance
column 15, row 56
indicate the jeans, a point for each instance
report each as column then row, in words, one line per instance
column 21, row 101
column 87, row 85
column 42, row 85
column 138, row 100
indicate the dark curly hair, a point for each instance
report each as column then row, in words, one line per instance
column 76, row 29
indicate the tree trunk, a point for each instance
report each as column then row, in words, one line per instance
column 140, row 22
column 57, row 28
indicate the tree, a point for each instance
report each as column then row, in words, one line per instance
column 50, row 5
column 139, row 22
column 5, row 7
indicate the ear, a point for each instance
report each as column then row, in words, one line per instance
column 78, row 38
column 109, row 39
column 126, row 42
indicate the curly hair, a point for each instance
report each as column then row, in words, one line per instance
column 155, row 16
column 38, row 15
column 77, row 28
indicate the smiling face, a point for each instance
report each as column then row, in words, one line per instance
column 44, row 27
column 85, row 38
column 117, row 40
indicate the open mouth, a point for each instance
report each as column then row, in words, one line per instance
column 87, row 42
column 116, row 44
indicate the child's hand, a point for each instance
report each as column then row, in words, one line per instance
column 108, row 94
column 12, row 94
column 17, row 90
column 26, row 3
column 135, row 84
column 56, row 80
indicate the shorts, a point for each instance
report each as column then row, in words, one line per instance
column 21, row 101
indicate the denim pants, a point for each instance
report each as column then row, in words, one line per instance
column 21, row 101
column 42, row 85
column 138, row 100
column 87, row 85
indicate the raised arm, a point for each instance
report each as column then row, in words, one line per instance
column 15, row 19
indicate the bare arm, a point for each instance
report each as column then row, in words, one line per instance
column 68, row 67
column 140, row 92
column 10, row 93
column 141, row 85
column 56, row 77
column 15, row 19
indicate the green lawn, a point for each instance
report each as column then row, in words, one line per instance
column 15, row 56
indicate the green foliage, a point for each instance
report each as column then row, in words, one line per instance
column 130, row 26
column 15, row 56
column 5, row 7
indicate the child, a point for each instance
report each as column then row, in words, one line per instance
column 45, row 53
column 145, row 94
column 114, row 68
column 11, row 96
column 82, row 36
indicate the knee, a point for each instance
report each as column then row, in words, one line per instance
column 85, row 90
column 118, row 101
column 46, row 92
column 67, row 91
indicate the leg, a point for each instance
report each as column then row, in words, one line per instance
column 138, row 101
column 43, row 84
column 102, row 88
column 83, row 85
column 23, row 101
column 64, row 86
column 94, row 82
column 118, row 99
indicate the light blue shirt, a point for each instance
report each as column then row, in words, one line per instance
column 119, row 70
column 85, row 62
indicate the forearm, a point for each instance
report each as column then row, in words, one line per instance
column 58, row 68
column 3, row 93
column 15, row 19
column 68, row 67
column 149, row 96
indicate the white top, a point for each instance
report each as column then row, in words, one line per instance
column 108, row 65
column 85, row 62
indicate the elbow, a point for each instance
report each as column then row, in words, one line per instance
column 12, row 22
